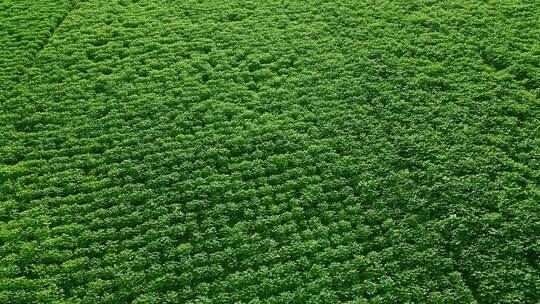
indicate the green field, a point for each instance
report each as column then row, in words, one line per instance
column 161, row 151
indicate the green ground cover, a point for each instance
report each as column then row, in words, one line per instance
column 159, row 151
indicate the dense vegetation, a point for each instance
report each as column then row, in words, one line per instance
column 159, row 151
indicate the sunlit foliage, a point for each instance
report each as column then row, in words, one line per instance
column 159, row 151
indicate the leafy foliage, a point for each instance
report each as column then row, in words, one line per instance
column 160, row 151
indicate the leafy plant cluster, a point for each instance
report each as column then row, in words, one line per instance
column 160, row 151
column 25, row 28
